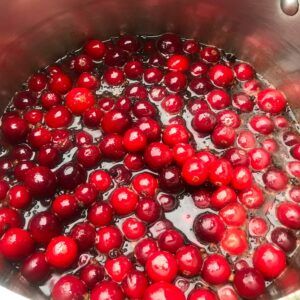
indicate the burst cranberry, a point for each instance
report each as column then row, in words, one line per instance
column 194, row 171
column 243, row 102
column 269, row 260
column 107, row 290
column 288, row 214
column 222, row 196
column 150, row 128
column 258, row 226
column 115, row 122
column 65, row 206
column 92, row 274
column 133, row 229
column 234, row 241
column 95, row 49
column 170, row 179
column 169, row 43
column 233, row 214
column 108, row 238
column 92, row 117
column 120, row 174
column 252, row 197
column 201, row 198
column 87, row 80
column 79, row 99
column 271, row 100
column 220, row 172
column 284, row 238
column 19, row 197
column 14, row 129
column 223, row 136
column 23, row 100
column 221, row 75
column 170, row 240
column 228, row 118
column 112, row 147
column 246, row 139
column 134, row 140
column 133, row 69
column 158, row 155
column 9, row 218
column 244, row 71
column 209, row 227
column 117, row 268
column 60, row 83
column 135, row 284
column 114, row 76
column 200, row 86
column 16, row 244
column 275, row 179
column 249, row 283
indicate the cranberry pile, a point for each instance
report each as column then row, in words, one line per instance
column 151, row 168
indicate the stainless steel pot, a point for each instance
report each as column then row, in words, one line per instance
column 36, row 32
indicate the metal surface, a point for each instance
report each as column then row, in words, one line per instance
column 36, row 32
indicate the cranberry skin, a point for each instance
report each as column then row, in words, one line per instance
column 194, row 171
column 158, row 155
column 117, row 268
column 22, row 152
column 228, row 118
column 65, row 206
column 115, row 121
column 271, row 101
column 95, row 49
column 233, row 214
column 114, row 76
column 120, row 174
column 275, row 179
column 145, row 184
column 144, row 249
column 60, row 83
column 220, row 172
column 129, row 43
column 21, row 169
column 295, row 151
column 84, row 234
column 218, row 99
column 201, row 198
column 123, row 200
column 153, row 75
column 216, row 269
column 198, row 68
column 291, row 138
column 43, row 227
column 134, row 140
column 33, row 116
column 243, row 102
column 223, row 136
column 200, row 86
column 170, row 179
column 270, row 145
column 6, row 166
column 23, row 100
column 163, row 291
column 68, row 287
column 79, row 99
column 92, row 274
column 111, row 147
column 284, row 238
column 70, row 175
column 237, row 157
column 39, row 137
column 196, row 105
column 222, row 196
column 87, row 80
column 262, row 124
column 221, row 75
column 249, row 283
column 41, row 181
column 178, row 63
column 9, row 218
column 100, row 214
column 116, row 58
column 135, row 284
column 161, row 266
column 35, row 268
column 259, row 158
column 269, row 260
column 210, row 54
column 133, row 69
column 182, row 152
column 172, row 104
column 134, row 162
column 288, row 214
column 175, row 81
column 244, row 71
column 190, row 47
column 108, row 238
column 16, row 244
column 252, row 197
column 150, row 128
column 61, row 140
column 169, row 43
column 14, row 129
column 106, row 104
column 209, row 228
column 258, row 226
column 204, row 121
column 148, row 210
column 92, row 117
column 49, row 100
column 246, row 139
column 234, row 241
column 4, row 187
column 143, row 108
column 107, row 290
column 123, row 104
column 19, row 197
column 293, row 168
column 88, row 156
column 170, row 240
column 167, row 202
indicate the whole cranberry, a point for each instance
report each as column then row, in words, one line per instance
column 135, row 284
column 202, row 198
column 33, row 116
column 216, row 269
column 60, row 83
column 21, row 169
column 194, row 171
column 14, row 129
column 9, row 218
column 243, row 102
column 129, row 43
column 22, row 152
column 114, row 76
column 170, row 240
column 233, row 214
column 148, row 210
column 117, row 268
column 16, row 244
column 92, row 274
column 182, row 152
column 163, row 291
column 198, row 68
column 49, row 100
column 65, row 206
column 133, row 69
column 269, row 260
column 237, row 157
column 175, row 81
column 134, row 140
column 258, row 226
column 35, row 268
column 19, row 197
column 229, row 118
column 172, row 104
column 123, row 104
column 133, row 161
column 153, row 75
column 223, row 136
column 87, row 80
column 271, row 100
column 136, row 91
column 48, row 156
column 190, row 46
column 262, row 124
column 4, row 187
column 84, row 234
column 275, row 179
column 133, row 229
column 145, row 184
column 246, row 139
column 95, row 49
column 284, row 238
column 169, row 43
column 82, row 63
column 270, row 145
column 178, row 62
column 221, row 75
column 108, row 238
column 43, row 227
column 144, row 108
column 150, row 128
column 241, row 178
column 41, row 181
column 204, row 121
column 123, row 200
column 288, row 214
column 69, row 287
column 249, row 283
column 106, row 104
column 88, row 156
column 259, row 158
column 112, row 147
column 100, row 214
column 92, row 117
column 206, row 157
column 79, row 99
column 220, row 172
column 107, row 290
column 144, row 249
column 201, row 293
column 210, row 54
column 294, row 194
column 116, row 57
column 61, row 140
column 200, row 86
column 218, row 99
column 170, row 179
column 222, row 196
column 234, row 241
column 39, row 137
column 23, row 100
column 58, row 116
column 158, row 155
column 244, row 71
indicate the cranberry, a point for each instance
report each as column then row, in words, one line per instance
column 107, row 290
column 21, row 169
column 243, row 102
column 19, row 197
column 120, row 174
column 228, row 118
column 210, row 54
column 259, row 158
column 35, row 268
column 170, row 179
column 133, row 229
column 262, row 124
column 60, row 83
column 204, row 121
column 182, row 152
column 108, row 238
column 37, row 82
column 172, row 104
column 166, row 201
column 106, row 104
column 293, row 168
column 144, row 249
column 284, row 238
column 234, row 241
column 246, row 139
column 143, row 108
column 83, row 63
column 22, row 152
column 198, row 68
column 208, row 227
column 158, row 155
column 49, row 100
column 101, row 180
column 258, row 226
column 92, row 274
column 196, row 105
column 178, row 63
column 237, row 157
column 9, row 218
column 145, row 184
column 114, row 76
column 252, row 197
column 129, row 43
column 233, row 214
column 288, row 214
column 156, row 60
column 175, row 81
column 39, row 137
column 202, row 294
column 161, row 266
column 269, row 260
column 244, row 71
column 4, row 187
column 281, row 122
column 206, row 157
column 136, row 91
column 190, row 46
column 117, row 268
column 6, row 166
column 79, row 99
column 174, row 134
column 220, row 172
column 14, row 129
column 133, row 69
column 200, row 86
column 16, row 244
column 291, row 138
column 48, row 156
column 249, row 283
column 68, row 287
column 275, row 179
column 84, row 234
column 148, row 210
column 169, row 43
column 100, row 214
column 271, row 100
column 87, row 80
column 116, row 57
column 112, row 147
column 223, row 136
column 61, row 140
column 92, row 117
column 241, row 178
column 65, row 206
column 123, row 200
column 221, row 75
column 95, row 49
column 88, row 156
column 158, row 93
column 201, row 198
column 294, row 194
column 58, row 116
column 153, row 75
column 150, row 128
column 218, row 99
column 33, row 116
column 115, row 122
column 194, row 171
column 134, row 140
column 135, row 284
column 170, row 240
column 216, row 269
column 222, row 196
column 23, row 100
column 123, row 104
column 163, row 291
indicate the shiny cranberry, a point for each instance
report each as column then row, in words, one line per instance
column 200, row 86
column 107, row 290
column 49, row 100
column 83, row 63
column 95, row 49
column 269, row 260
column 222, row 196
column 123, row 104
column 220, row 172
column 291, row 138
column 259, row 158
column 158, row 155
column 167, row 202
column 249, row 283
column 88, row 156
column 182, row 152
column 156, row 60
column 120, row 174
column 244, row 71
column 145, row 184
column 288, row 214
column 152, row 75
column 163, row 291
column 134, row 140
column 92, row 274
column 87, row 80
column 148, row 210
column 262, row 124
column 134, row 162
column 143, row 108
column 172, row 104
column 170, row 240
column 221, row 75
column 22, row 152
column 233, row 214
column 84, row 234
column 178, row 63
column 135, row 284
column 69, row 287
column 65, row 206
column 33, row 116
column 35, row 268
column 208, row 227
column 237, row 157
column 79, row 99
column 9, row 218
column 123, row 200
column 204, row 121
column 150, row 128
column 100, row 214
column 294, row 194
column 111, row 147
column 117, row 268
column 246, row 139
column 206, row 157
column 61, row 140
column 14, row 129
column 284, row 238
column 70, row 175
column 60, row 83
column 281, row 122
column 196, row 105
column 144, row 249
column 21, row 169
column 19, row 197
column 275, row 179
column 234, row 241
column 198, row 69
column 43, row 227
column 293, row 167
column 92, row 117
column 116, row 57
column 129, row 43
column 133, row 69
column 136, row 91
column 202, row 294
column 201, row 198
column 4, row 187
column 175, row 81
column 16, row 244
column 223, row 136
column 170, row 179
column 39, row 137
column 258, row 226
column 271, row 100
column 58, row 116
column 210, row 54
column 23, row 100
column 228, row 118
column 106, row 104
column 190, row 46
column 133, row 229
column 243, row 102
column 114, row 76
column 6, row 165
column 48, row 156
column 115, row 122
column 169, row 43
column 108, row 238
column 218, row 99
column 175, row 134
column 194, row 171
column 37, row 82
column 252, row 197
column 241, row 178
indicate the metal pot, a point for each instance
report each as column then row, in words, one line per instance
column 35, row 32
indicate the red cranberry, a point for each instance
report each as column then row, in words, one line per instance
column 182, row 152
column 243, row 102
column 37, row 82
column 249, row 283
column 114, row 76
column 288, row 214
column 35, row 268
column 115, row 122
column 170, row 240
column 196, row 105
column 178, row 63
column 143, row 108
column 246, row 139
column 112, row 147
column 233, row 214
column 133, row 69
column 43, row 227
column 92, row 117
column 82, row 63
column 194, row 171
column 106, row 104
column 294, row 194
column 166, row 201
column 259, row 158
column 79, row 99
column 170, row 179
column 88, row 156
column 133, row 229
column 84, row 234
column 201, row 198
column 275, row 179
column 14, row 129
column 221, row 75
column 175, row 81
column 284, row 238
column 262, row 124
column 269, row 260
column 228, row 118
column 150, row 128
column 158, row 93
column 95, row 49
column 206, row 157
column 190, row 46
column 153, row 75
column 234, row 241
column 174, row 134
column 169, row 43
column 210, row 54
column 271, row 100
column 202, row 294
column 144, row 249
column 108, row 238
column 65, row 206
column 223, row 136
column 123, row 104
column 23, row 100
column 19, row 197
column 258, row 226
column 244, row 71
column 220, row 172
column 148, row 210
column 163, row 291
column 237, row 157
column 129, row 43
column 49, row 100
column 136, row 91
column 135, row 284
column 4, row 187
column 200, row 86
column 60, row 83
column 161, row 266
column 48, row 156
column 158, row 155
column 116, row 57
column 172, row 104
column 6, row 166
column 22, row 152
column 156, row 60
column 33, row 116
column 222, row 196
column 68, row 287
column 92, row 274
column 16, row 244
column 87, row 80
column 117, row 268
column 58, row 116
column 204, row 121
column 241, row 178
column 134, row 140
column 218, row 99
column 100, row 179
column 252, row 197
column 9, row 218
column 216, row 269
column 291, row 138
column 252, row 86
column 293, row 168
column 145, row 184
column 100, row 214
column 21, row 169
column 123, row 200
column 39, row 137
column 198, row 69
column 209, row 227
column 281, row 122
column 107, row 290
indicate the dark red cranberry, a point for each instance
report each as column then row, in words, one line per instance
column 271, row 100
column 190, row 46
column 148, row 210
column 116, row 57
column 123, row 104
column 288, row 214
column 107, row 290
column 92, row 274
column 85, row 194
column 14, row 129
column 106, row 104
column 134, row 162
column 223, row 136
column 150, row 128
column 196, row 105
column 22, row 152
column 166, row 201
column 244, row 71
column 92, row 117
column 60, row 83
column 204, row 121
column 123, row 200
column 175, row 81
column 234, row 241
column 170, row 179
column 221, row 75
column 152, row 75
column 144, row 249
column 4, row 187
column 144, row 108
column 133, row 69
column 88, row 156
column 111, row 146
column 169, row 43
column 21, row 169
column 35, row 268
column 6, row 166
column 108, row 238
column 33, row 116
column 37, row 82
column 23, row 100
column 136, row 91
column 48, row 156
column 84, row 234
column 275, row 179
column 198, row 69
column 120, row 174
column 95, row 49
column 19, row 197
column 200, row 86
column 201, row 198
column 114, row 76
column 210, row 54
column 129, row 43
column 156, row 60
column 65, row 206
column 222, row 196
column 49, row 100
column 170, row 240
column 172, row 104
column 9, row 218
column 243, row 102
column 135, row 284
column 237, row 157
column 39, row 137
column 100, row 214
column 233, row 214
column 291, row 138
column 284, row 238
column 87, row 80
column 83, row 63
column 115, row 122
